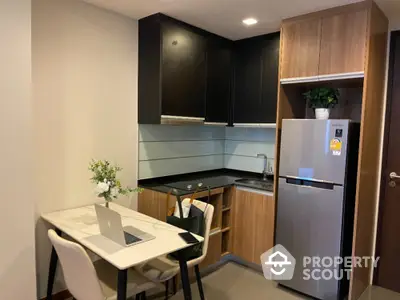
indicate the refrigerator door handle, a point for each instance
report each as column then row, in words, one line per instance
column 307, row 183
column 308, row 179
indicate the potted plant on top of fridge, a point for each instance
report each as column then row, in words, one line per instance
column 322, row 99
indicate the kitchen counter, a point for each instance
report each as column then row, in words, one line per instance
column 184, row 184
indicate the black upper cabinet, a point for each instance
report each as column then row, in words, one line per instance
column 269, row 87
column 248, row 70
column 219, row 78
column 183, row 71
column 256, row 79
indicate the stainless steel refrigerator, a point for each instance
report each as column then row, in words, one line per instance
column 316, row 194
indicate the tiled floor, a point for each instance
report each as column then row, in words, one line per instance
column 377, row 293
column 234, row 282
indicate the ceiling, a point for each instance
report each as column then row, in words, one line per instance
column 224, row 17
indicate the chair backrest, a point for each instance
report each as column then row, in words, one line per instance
column 79, row 273
column 208, row 210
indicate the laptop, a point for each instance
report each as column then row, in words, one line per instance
column 110, row 223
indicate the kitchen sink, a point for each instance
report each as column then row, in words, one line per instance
column 258, row 184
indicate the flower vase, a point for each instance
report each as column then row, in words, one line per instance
column 107, row 204
column 322, row 113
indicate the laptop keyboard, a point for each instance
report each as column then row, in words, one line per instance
column 130, row 239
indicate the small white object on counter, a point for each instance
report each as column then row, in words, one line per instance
column 185, row 209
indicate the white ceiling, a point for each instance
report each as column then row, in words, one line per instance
column 224, row 17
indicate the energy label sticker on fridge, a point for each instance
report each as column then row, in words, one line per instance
column 336, row 147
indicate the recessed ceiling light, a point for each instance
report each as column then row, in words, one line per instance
column 250, row 21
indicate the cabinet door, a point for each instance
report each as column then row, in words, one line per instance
column 219, row 67
column 269, row 91
column 153, row 204
column 264, row 216
column 248, row 69
column 243, row 226
column 300, row 48
column 183, row 72
column 343, row 43
column 253, row 224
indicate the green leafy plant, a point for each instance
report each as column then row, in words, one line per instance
column 105, row 178
column 322, row 97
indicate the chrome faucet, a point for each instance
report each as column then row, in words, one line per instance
column 265, row 171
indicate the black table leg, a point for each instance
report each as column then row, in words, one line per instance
column 52, row 269
column 184, row 276
column 199, row 283
column 174, row 283
column 122, row 284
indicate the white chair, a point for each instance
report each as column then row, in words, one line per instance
column 86, row 280
column 164, row 268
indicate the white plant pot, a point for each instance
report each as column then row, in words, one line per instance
column 322, row 113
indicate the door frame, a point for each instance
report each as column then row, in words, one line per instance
column 394, row 35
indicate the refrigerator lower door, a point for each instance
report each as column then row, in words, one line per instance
column 309, row 224
column 314, row 149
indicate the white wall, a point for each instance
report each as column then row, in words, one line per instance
column 169, row 150
column 84, row 62
column 17, row 246
column 242, row 146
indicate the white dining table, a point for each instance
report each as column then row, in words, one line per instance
column 82, row 226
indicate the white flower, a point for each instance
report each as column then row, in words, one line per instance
column 102, row 187
column 114, row 192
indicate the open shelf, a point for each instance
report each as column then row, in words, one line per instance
column 227, row 199
column 225, row 229
column 225, row 253
column 215, row 230
column 349, row 106
column 226, row 242
column 226, row 219
column 216, row 201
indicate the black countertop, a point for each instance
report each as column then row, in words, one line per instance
column 213, row 179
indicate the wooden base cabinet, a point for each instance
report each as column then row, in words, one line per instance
column 154, row 204
column 253, row 224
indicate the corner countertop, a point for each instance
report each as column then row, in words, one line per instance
column 213, row 179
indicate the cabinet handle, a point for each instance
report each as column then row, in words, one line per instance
column 255, row 125
column 166, row 119
column 216, row 123
column 327, row 77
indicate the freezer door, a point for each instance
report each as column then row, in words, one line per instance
column 314, row 149
column 309, row 223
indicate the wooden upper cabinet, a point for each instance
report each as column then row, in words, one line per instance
column 300, row 48
column 343, row 43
